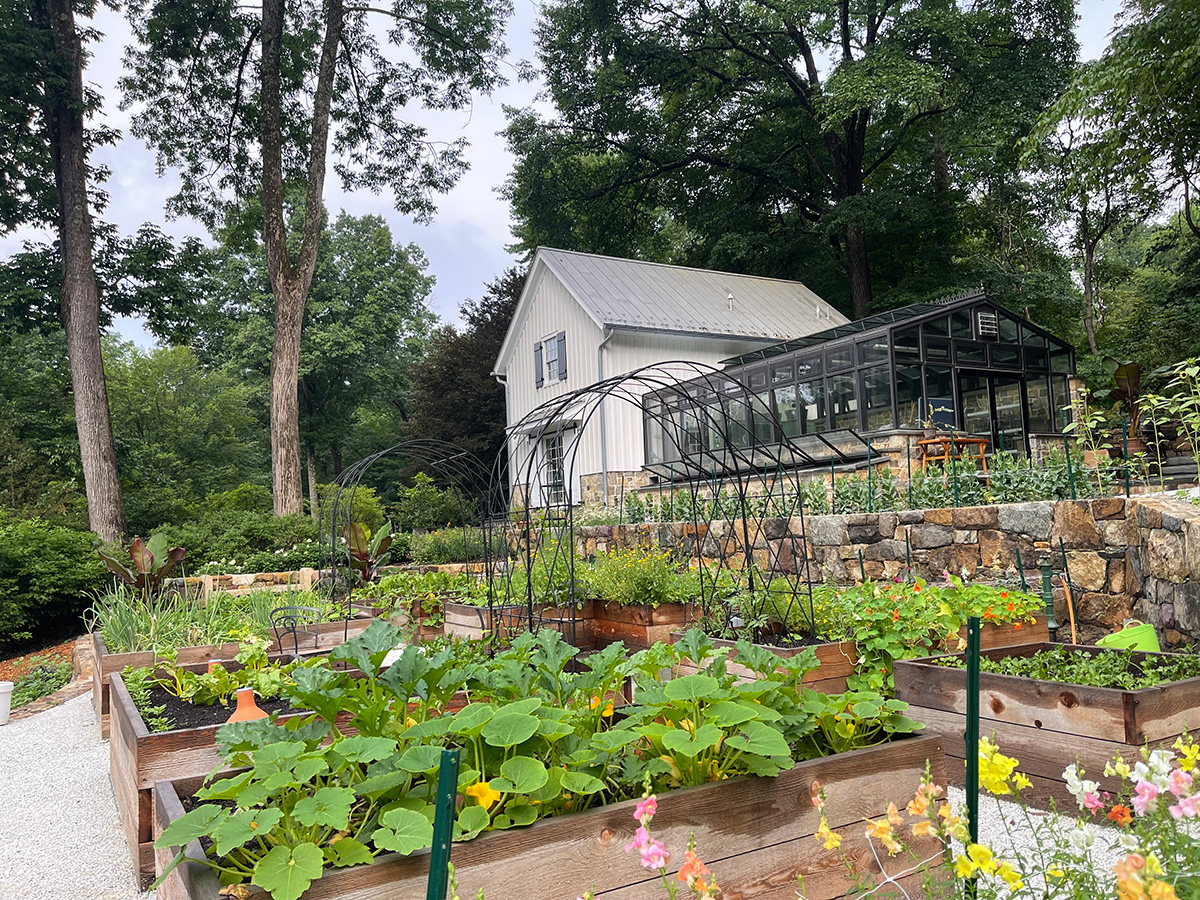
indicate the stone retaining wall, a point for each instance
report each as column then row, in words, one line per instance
column 1127, row 558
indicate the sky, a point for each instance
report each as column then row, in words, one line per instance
column 465, row 242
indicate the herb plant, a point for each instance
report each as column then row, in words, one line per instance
column 1101, row 668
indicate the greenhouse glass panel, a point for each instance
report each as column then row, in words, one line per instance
column 909, row 396
column 877, row 398
column 844, row 400
column 811, row 406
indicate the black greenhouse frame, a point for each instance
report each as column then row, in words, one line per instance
column 963, row 361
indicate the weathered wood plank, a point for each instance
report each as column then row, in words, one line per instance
column 736, row 819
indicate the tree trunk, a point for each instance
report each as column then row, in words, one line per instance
column 860, row 275
column 314, row 505
column 80, row 298
column 1089, row 296
column 285, row 401
column 290, row 281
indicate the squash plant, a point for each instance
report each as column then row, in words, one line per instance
column 544, row 734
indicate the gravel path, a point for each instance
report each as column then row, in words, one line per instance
column 62, row 836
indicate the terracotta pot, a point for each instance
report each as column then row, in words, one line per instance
column 247, row 708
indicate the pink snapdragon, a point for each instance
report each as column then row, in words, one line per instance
column 655, row 855
column 1092, row 802
column 1145, row 797
column 646, row 810
column 641, row 838
column 1179, row 783
column 1186, row 808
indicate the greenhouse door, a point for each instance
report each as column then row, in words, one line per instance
column 993, row 406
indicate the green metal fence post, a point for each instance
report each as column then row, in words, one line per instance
column 870, row 483
column 443, row 827
column 1125, row 451
column 971, row 737
column 1048, row 594
column 954, row 465
column 908, row 552
column 1021, row 570
column 908, row 450
column 1062, row 424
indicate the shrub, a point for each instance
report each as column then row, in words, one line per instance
column 244, row 497
column 47, row 576
column 450, row 545
column 246, row 540
column 364, row 506
column 425, row 505
column 639, row 576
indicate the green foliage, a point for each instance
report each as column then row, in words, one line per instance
column 858, row 493
column 452, row 545
column 38, row 682
column 230, row 540
column 361, row 505
column 243, row 498
column 631, row 576
column 1100, row 668
column 217, row 685
column 47, row 573
column 425, row 505
column 151, row 563
column 368, row 552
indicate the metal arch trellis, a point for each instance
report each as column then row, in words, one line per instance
column 471, row 479
column 717, row 434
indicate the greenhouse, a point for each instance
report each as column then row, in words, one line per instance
column 963, row 363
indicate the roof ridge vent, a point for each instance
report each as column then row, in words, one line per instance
column 967, row 294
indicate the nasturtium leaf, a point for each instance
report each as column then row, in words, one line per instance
column 552, row 788
column 403, row 831
column 581, row 783
column 373, row 785
column 286, row 872
column 523, row 707
column 347, row 852
column 191, row 825
column 520, row 775
column 328, row 806
column 434, row 727
column 501, row 822
column 244, row 826
column 472, row 820
column 471, row 718
column 553, row 729
column 509, row 729
column 420, row 758
column 677, row 740
column 760, row 765
column 690, row 688
column 759, row 738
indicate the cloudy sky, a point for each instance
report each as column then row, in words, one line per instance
column 465, row 242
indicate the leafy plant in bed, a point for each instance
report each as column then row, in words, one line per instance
column 1106, row 669
column 541, row 737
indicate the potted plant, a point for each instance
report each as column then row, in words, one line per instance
column 1128, row 379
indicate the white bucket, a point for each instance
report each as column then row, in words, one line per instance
column 5, row 700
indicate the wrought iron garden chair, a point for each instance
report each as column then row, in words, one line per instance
column 299, row 623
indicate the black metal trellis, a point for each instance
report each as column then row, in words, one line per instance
column 716, row 436
column 459, row 469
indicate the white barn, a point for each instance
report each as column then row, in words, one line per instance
column 582, row 318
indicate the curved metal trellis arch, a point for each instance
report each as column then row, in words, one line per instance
column 712, row 433
column 471, row 479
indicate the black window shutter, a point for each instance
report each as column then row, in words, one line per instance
column 562, row 355
column 537, row 364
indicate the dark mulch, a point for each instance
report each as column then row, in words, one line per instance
column 191, row 715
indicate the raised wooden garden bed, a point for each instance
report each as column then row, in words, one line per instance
column 574, row 622
column 756, row 834
column 838, row 660
column 640, row 625
column 420, row 620
column 329, row 635
column 1048, row 725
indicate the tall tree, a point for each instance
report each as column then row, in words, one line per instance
column 246, row 101
column 46, row 179
column 767, row 128
column 455, row 398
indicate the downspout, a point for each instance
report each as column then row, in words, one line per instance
column 608, row 333
column 502, row 380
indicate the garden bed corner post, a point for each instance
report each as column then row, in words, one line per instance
column 443, row 827
column 971, row 737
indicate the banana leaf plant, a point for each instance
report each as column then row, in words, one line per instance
column 150, row 563
column 1128, row 379
column 368, row 552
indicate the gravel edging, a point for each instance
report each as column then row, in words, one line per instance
column 62, row 833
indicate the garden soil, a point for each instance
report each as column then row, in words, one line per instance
column 62, row 834
column 14, row 667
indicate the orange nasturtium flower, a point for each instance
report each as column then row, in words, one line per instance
column 483, row 793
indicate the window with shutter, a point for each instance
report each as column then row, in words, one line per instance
column 562, row 355
column 537, row 363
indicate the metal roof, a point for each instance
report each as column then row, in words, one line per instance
column 627, row 293
column 877, row 321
